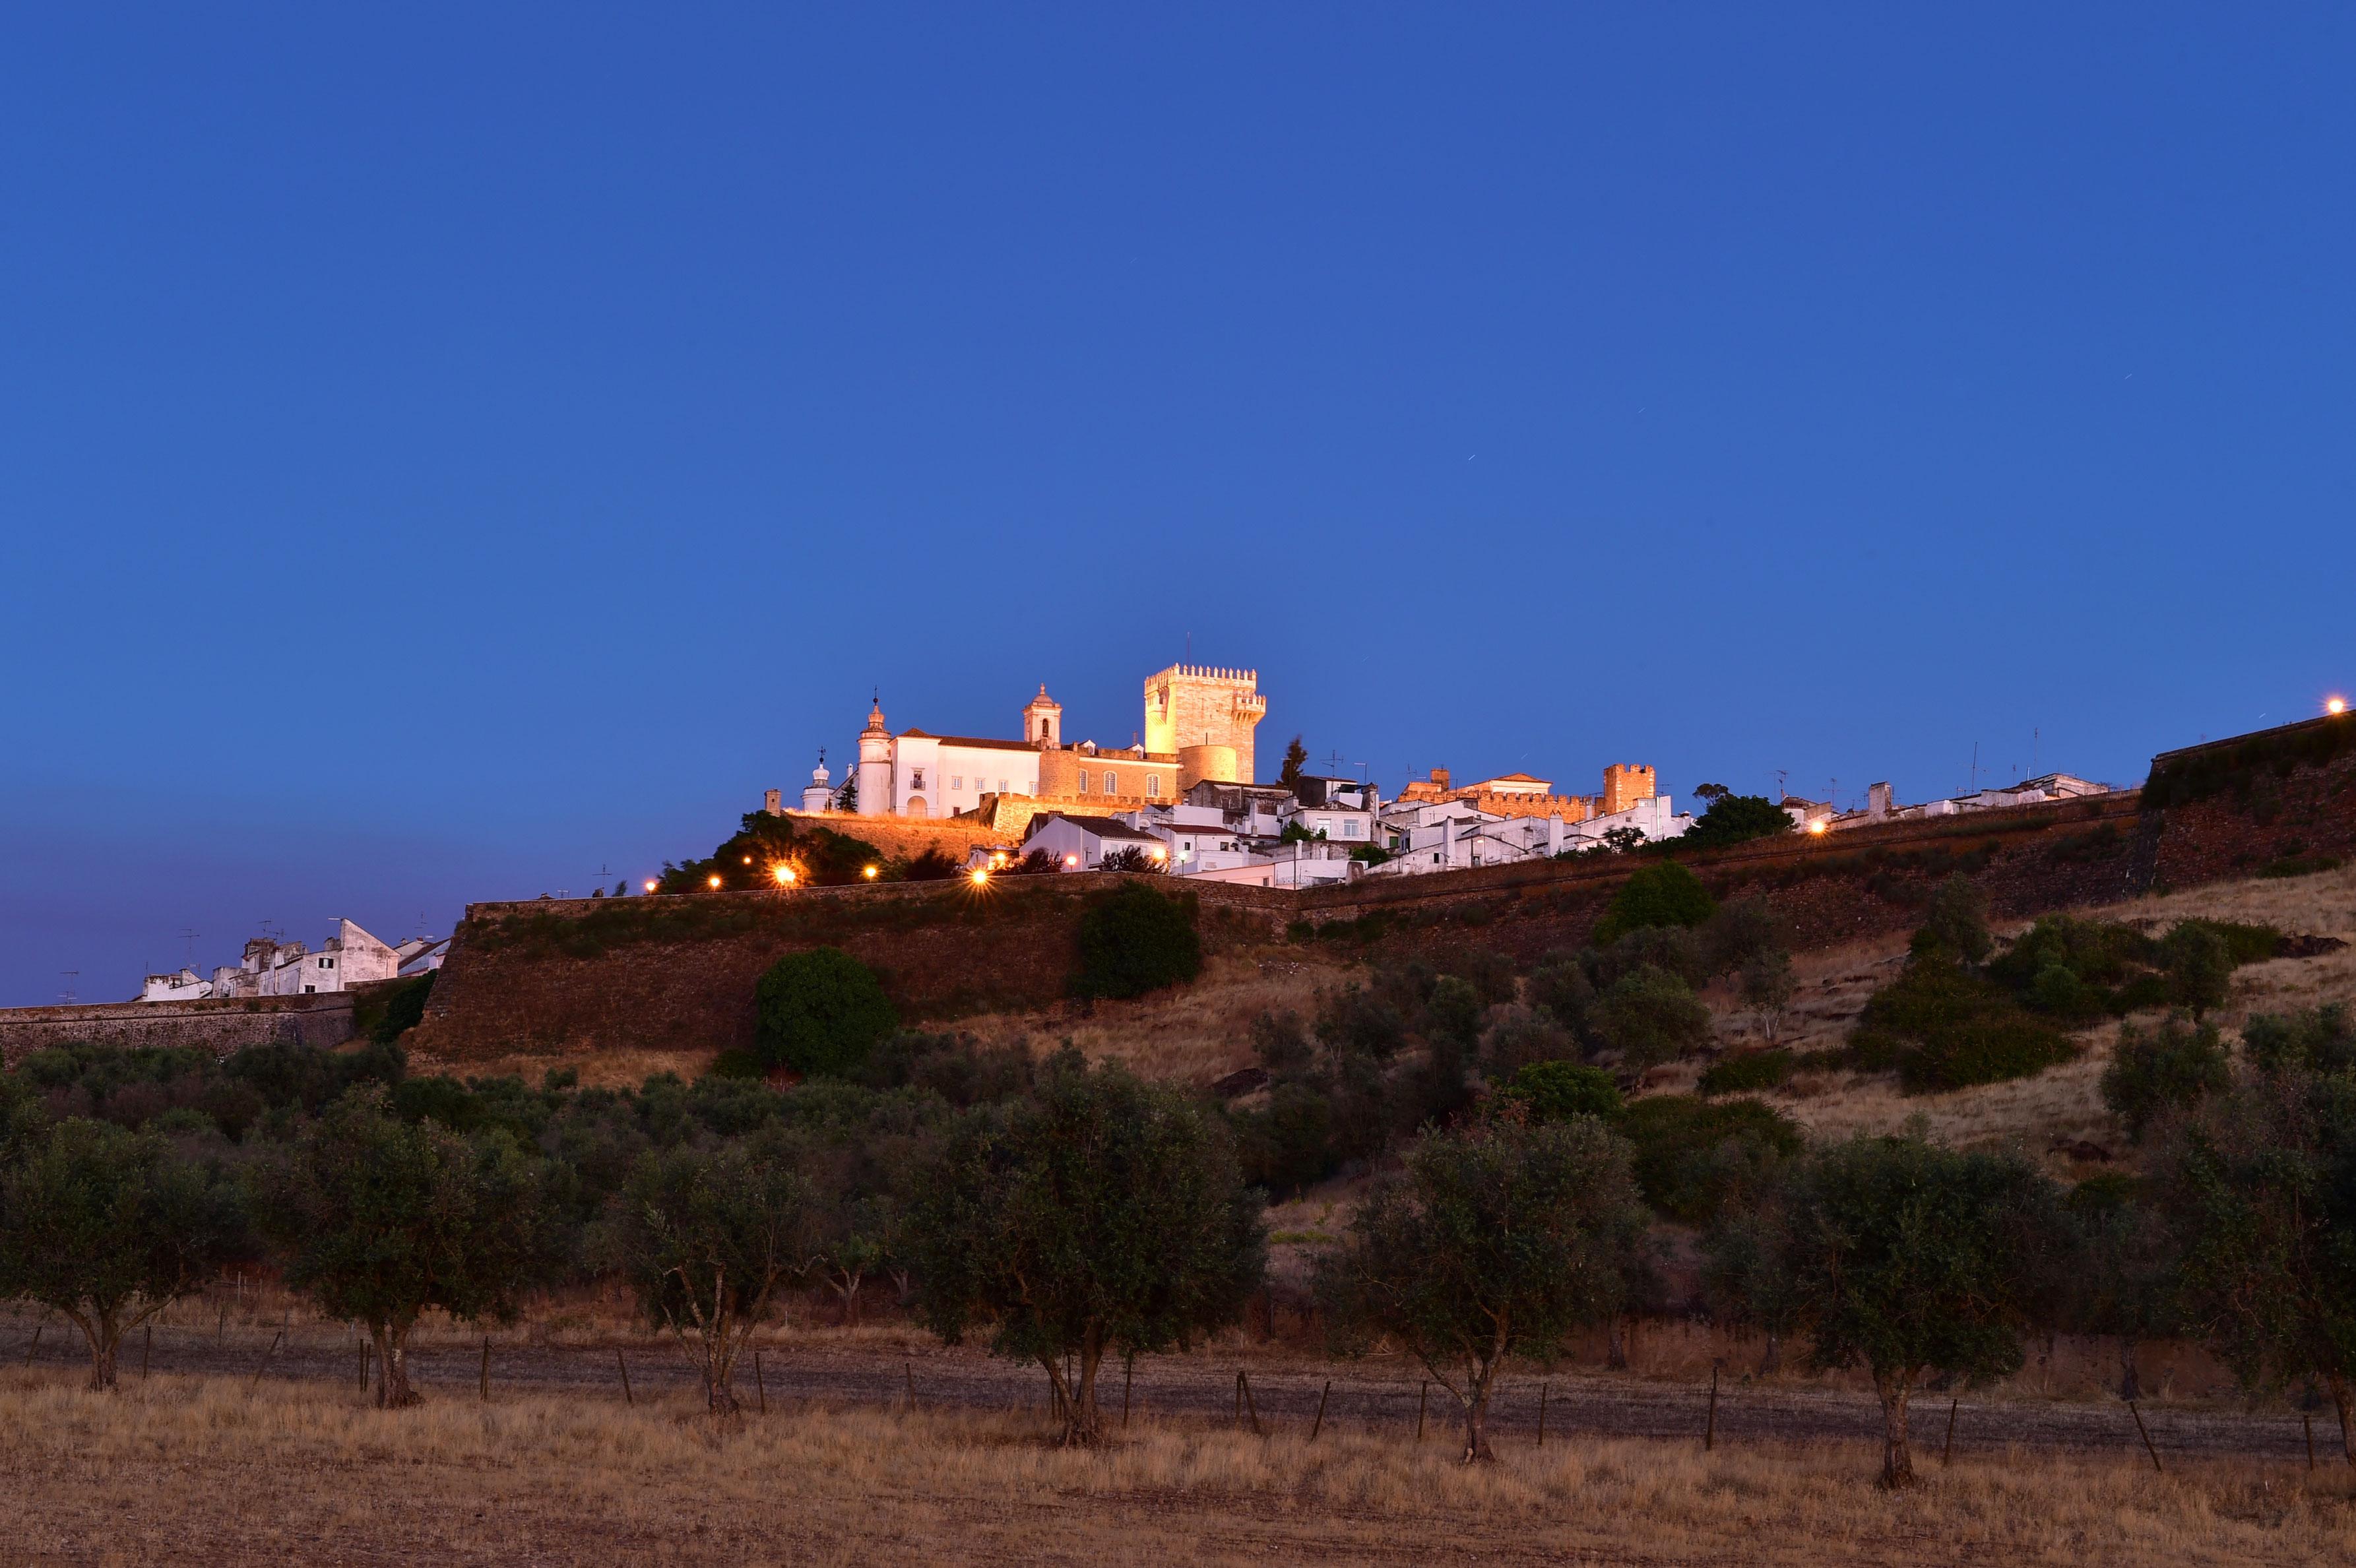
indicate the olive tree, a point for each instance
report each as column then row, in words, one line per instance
column 1099, row 1214
column 379, row 1220
column 107, row 1227
column 2261, row 1192
column 705, row 1236
column 1500, row 1238
column 1904, row 1257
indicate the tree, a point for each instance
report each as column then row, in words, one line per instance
column 1556, row 1091
column 1501, row 1238
column 1101, row 1215
column 1665, row 893
column 1133, row 859
column 378, row 1220
column 1767, row 987
column 820, row 1011
column 1650, row 1017
column 2199, row 967
column 705, row 1235
column 1746, row 1274
column 2171, row 1071
column 1905, row 1256
column 1136, row 939
column 2122, row 1272
column 1958, row 919
column 1296, row 762
column 748, row 857
column 2261, row 1193
column 1712, row 792
column 1736, row 819
column 107, row 1227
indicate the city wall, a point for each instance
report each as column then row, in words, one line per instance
column 217, row 1026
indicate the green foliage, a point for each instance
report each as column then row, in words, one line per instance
column 2261, row 1191
column 1907, row 1257
column 2318, row 1041
column 383, row 1015
column 2169, row 1071
column 378, row 1219
column 1650, row 1017
column 1296, row 762
column 1664, row 893
column 954, row 1068
column 1136, row 939
column 1692, row 1157
column 1560, row 987
column 747, row 859
column 2300, row 865
column 2121, row 1268
column 1287, row 1144
column 1943, row 1027
column 1736, row 819
column 107, row 1227
column 1556, row 1091
column 1957, row 921
column 705, row 1235
column 1501, row 1238
column 2199, row 967
column 820, row 1011
column 1747, row 1070
column 1100, row 1214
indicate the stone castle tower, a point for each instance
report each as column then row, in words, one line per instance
column 1205, row 716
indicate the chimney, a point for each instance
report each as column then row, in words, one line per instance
column 1877, row 802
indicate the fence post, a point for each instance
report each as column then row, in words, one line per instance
column 627, row 1398
column 1128, row 1376
column 760, row 1383
column 1318, row 1425
column 1422, row 1393
column 1948, row 1457
column 910, row 1369
column 146, row 1344
column 1542, row 1402
column 2309, row 1420
column 2145, row 1435
column 1709, row 1428
column 274, row 1339
column 1244, row 1382
column 486, row 1379
column 36, row 1343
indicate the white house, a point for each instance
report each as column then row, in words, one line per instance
column 1450, row 836
column 1344, row 825
column 270, row 968
column 1081, row 843
column 184, row 986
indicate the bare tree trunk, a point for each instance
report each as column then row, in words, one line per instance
column 1897, row 1457
column 393, row 1390
column 1772, row 1360
column 1476, row 1418
column 719, row 1379
column 1077, row 1395
column 2130, row 1385
column 2341, row 1398
column 104, row 1338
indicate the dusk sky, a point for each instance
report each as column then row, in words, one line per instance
column 463, row 452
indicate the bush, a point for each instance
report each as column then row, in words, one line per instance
column 1287, row 1145
column 1747, row 1070
column 1136, row 939
column 1958, row 919
column 1555, row 1090
column 1693, row 1156
column 1651, row 1017
column 2320, row 1041
column 2172, row 1070
column 1737, row 819
column 2200, row 967
column 1663, row 895
column 821, row 1011
column 1943, row 1027
column 738, row 1063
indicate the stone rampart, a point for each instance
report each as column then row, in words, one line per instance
column 219, row 1026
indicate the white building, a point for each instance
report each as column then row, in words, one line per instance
column 1081, row 843
column 271, row 969
column 186, row 985
column 1449, row 836
column 915, row 773
column 1881, row 806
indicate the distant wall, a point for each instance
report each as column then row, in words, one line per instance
column 220, row 1026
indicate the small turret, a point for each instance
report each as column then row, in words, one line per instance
column 1043, row 721
column 815, row 793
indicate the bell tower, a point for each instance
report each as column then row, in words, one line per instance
column 1043, row 722
column 875, row 765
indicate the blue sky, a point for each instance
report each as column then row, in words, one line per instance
column 445, row 451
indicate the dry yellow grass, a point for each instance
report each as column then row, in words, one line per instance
column 188, row 1471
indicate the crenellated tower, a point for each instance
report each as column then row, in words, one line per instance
column 1206, row 715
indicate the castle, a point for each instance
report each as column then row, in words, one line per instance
column 1199, row 722
column 1520, row 795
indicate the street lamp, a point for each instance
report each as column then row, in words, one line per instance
column 650, row 884
column 713, row 881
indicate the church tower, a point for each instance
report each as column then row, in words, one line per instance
column 1043, row 722
column 815, row 793
column 1206, row 710
column 875, row 765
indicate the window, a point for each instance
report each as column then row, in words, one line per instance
column 1001, row 786
column 1153, row 787
column 326, row 963
column 310, row 991
column 1352, row 829
column 1083, row 781
column 916, row 779
column 957, row 780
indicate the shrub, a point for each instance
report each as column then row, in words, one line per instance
column 1136, row 939
column 1561, row 988
column 1958, row 919
column 1737, row 819
column 1745, row 1070
column 1943, row 1027
column 821, row 1011
column 2171, row 1069
column 1694, row 1157
column 738, row 1062
column 2200, row 967
column 1556, row 1090
column 2320, row 1041
column 1663, row 895
column 1650, row 1017
column 1287, row 1145
column 1518, row 1036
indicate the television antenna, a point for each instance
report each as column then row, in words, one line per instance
column 67, row 997
column 189, row 935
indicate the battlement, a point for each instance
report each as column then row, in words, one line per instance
column 1205, row 711
column 1205, row 672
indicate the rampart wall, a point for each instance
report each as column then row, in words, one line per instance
column 220, row 1026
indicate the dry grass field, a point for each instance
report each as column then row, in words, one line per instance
column 211, row 1471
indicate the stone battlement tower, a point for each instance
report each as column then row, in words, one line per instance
column 1205, row 711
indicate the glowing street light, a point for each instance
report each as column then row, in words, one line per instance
column 713, row 881
column 784, row 875
column 979, row 876
column 868, row 872
column 1818, row 825
column 1071, row 862
column 650, row 884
